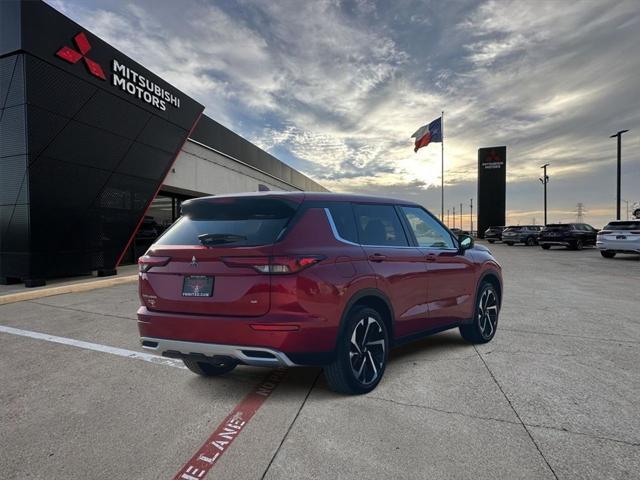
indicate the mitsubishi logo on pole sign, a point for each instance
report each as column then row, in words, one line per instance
column 122, row 76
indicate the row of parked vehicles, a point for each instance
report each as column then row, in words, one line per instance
column 620, row 236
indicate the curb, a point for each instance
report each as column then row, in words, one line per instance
column 71, row 288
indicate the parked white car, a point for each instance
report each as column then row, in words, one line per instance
column 619, row 236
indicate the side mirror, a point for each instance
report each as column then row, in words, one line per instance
column 465, row 242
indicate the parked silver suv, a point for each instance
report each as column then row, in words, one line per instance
column 619, row 237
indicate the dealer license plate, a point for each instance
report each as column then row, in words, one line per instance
column 197, row 286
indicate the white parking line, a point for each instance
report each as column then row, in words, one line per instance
column 121, row 352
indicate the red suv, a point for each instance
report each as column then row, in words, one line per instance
column 288, row 279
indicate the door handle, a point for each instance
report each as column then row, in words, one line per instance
column 377, row 257
column 431, row 257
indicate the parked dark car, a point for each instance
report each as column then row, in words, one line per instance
column 571, row 235
column 459, row 231
column 527, row 234
column 494, row 234
column 288, row 279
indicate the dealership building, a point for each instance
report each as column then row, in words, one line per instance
column 97, row 152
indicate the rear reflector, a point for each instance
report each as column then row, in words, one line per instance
column 274, row 328
column 280, row 265
column 605, row 232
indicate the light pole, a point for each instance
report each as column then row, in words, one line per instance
column 454, row 217
column 619, row 136
column 471, row 214
column 627, row 202
column 461, row 227
column 448, row 217
column 545, row 180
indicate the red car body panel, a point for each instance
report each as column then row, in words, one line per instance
column 301, row 313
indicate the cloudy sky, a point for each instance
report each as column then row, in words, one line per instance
column 336, row 88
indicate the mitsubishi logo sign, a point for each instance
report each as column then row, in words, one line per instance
column 123, row 76
column 74, row 56
column 493, row 161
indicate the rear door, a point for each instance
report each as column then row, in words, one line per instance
column 591, row 234
column 400, row 269
column 451, row 276
column 214, row 254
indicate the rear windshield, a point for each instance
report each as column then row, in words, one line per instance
column 630, row 225
column 559, row 227
column 230, row 221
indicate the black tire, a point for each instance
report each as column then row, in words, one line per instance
column 483, row 327
column 509, row 243
column 577, row 245
column 530, row 242
column 366, row 328
column 545, row 246
column 491, row 241
column 208, row 369
column 607, row 253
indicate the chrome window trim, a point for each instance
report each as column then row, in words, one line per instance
column 340, row 239
column 334, row 229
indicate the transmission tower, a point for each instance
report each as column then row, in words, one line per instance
column 580, row 211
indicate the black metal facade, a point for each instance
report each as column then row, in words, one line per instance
column 492, row 178
column 80, row 158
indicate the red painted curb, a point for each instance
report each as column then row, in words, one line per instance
column 224, row 435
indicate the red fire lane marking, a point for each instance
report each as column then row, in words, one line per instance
column 224, row 435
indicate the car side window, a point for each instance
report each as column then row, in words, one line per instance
column 379, row 225
column 429, row 233
column 342, row 216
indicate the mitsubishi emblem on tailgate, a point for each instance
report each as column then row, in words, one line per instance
column 194, row 262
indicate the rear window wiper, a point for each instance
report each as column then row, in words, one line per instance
column 219, row 238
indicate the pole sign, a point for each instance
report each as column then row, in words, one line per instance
column 492, row 176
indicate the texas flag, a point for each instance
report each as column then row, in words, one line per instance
column 428, row 133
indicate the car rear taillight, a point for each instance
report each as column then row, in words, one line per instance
column 146, row 262
column 280, row 265
column 635, row 232
column 605, row 232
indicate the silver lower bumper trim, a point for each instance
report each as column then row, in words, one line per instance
column 244, row 354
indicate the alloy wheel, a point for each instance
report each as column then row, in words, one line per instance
column 488, row 312
column 367, row 350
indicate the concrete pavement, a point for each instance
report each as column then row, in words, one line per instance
column 554, row 395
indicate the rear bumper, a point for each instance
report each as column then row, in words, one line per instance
column 286, row 340
column 619, row 246
column 248, row 355
column 563, row 243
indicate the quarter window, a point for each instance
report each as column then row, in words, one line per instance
column 343, row 219
column 379, row 225
column 429, row 233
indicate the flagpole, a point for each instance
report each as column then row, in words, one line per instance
column 442, row 165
